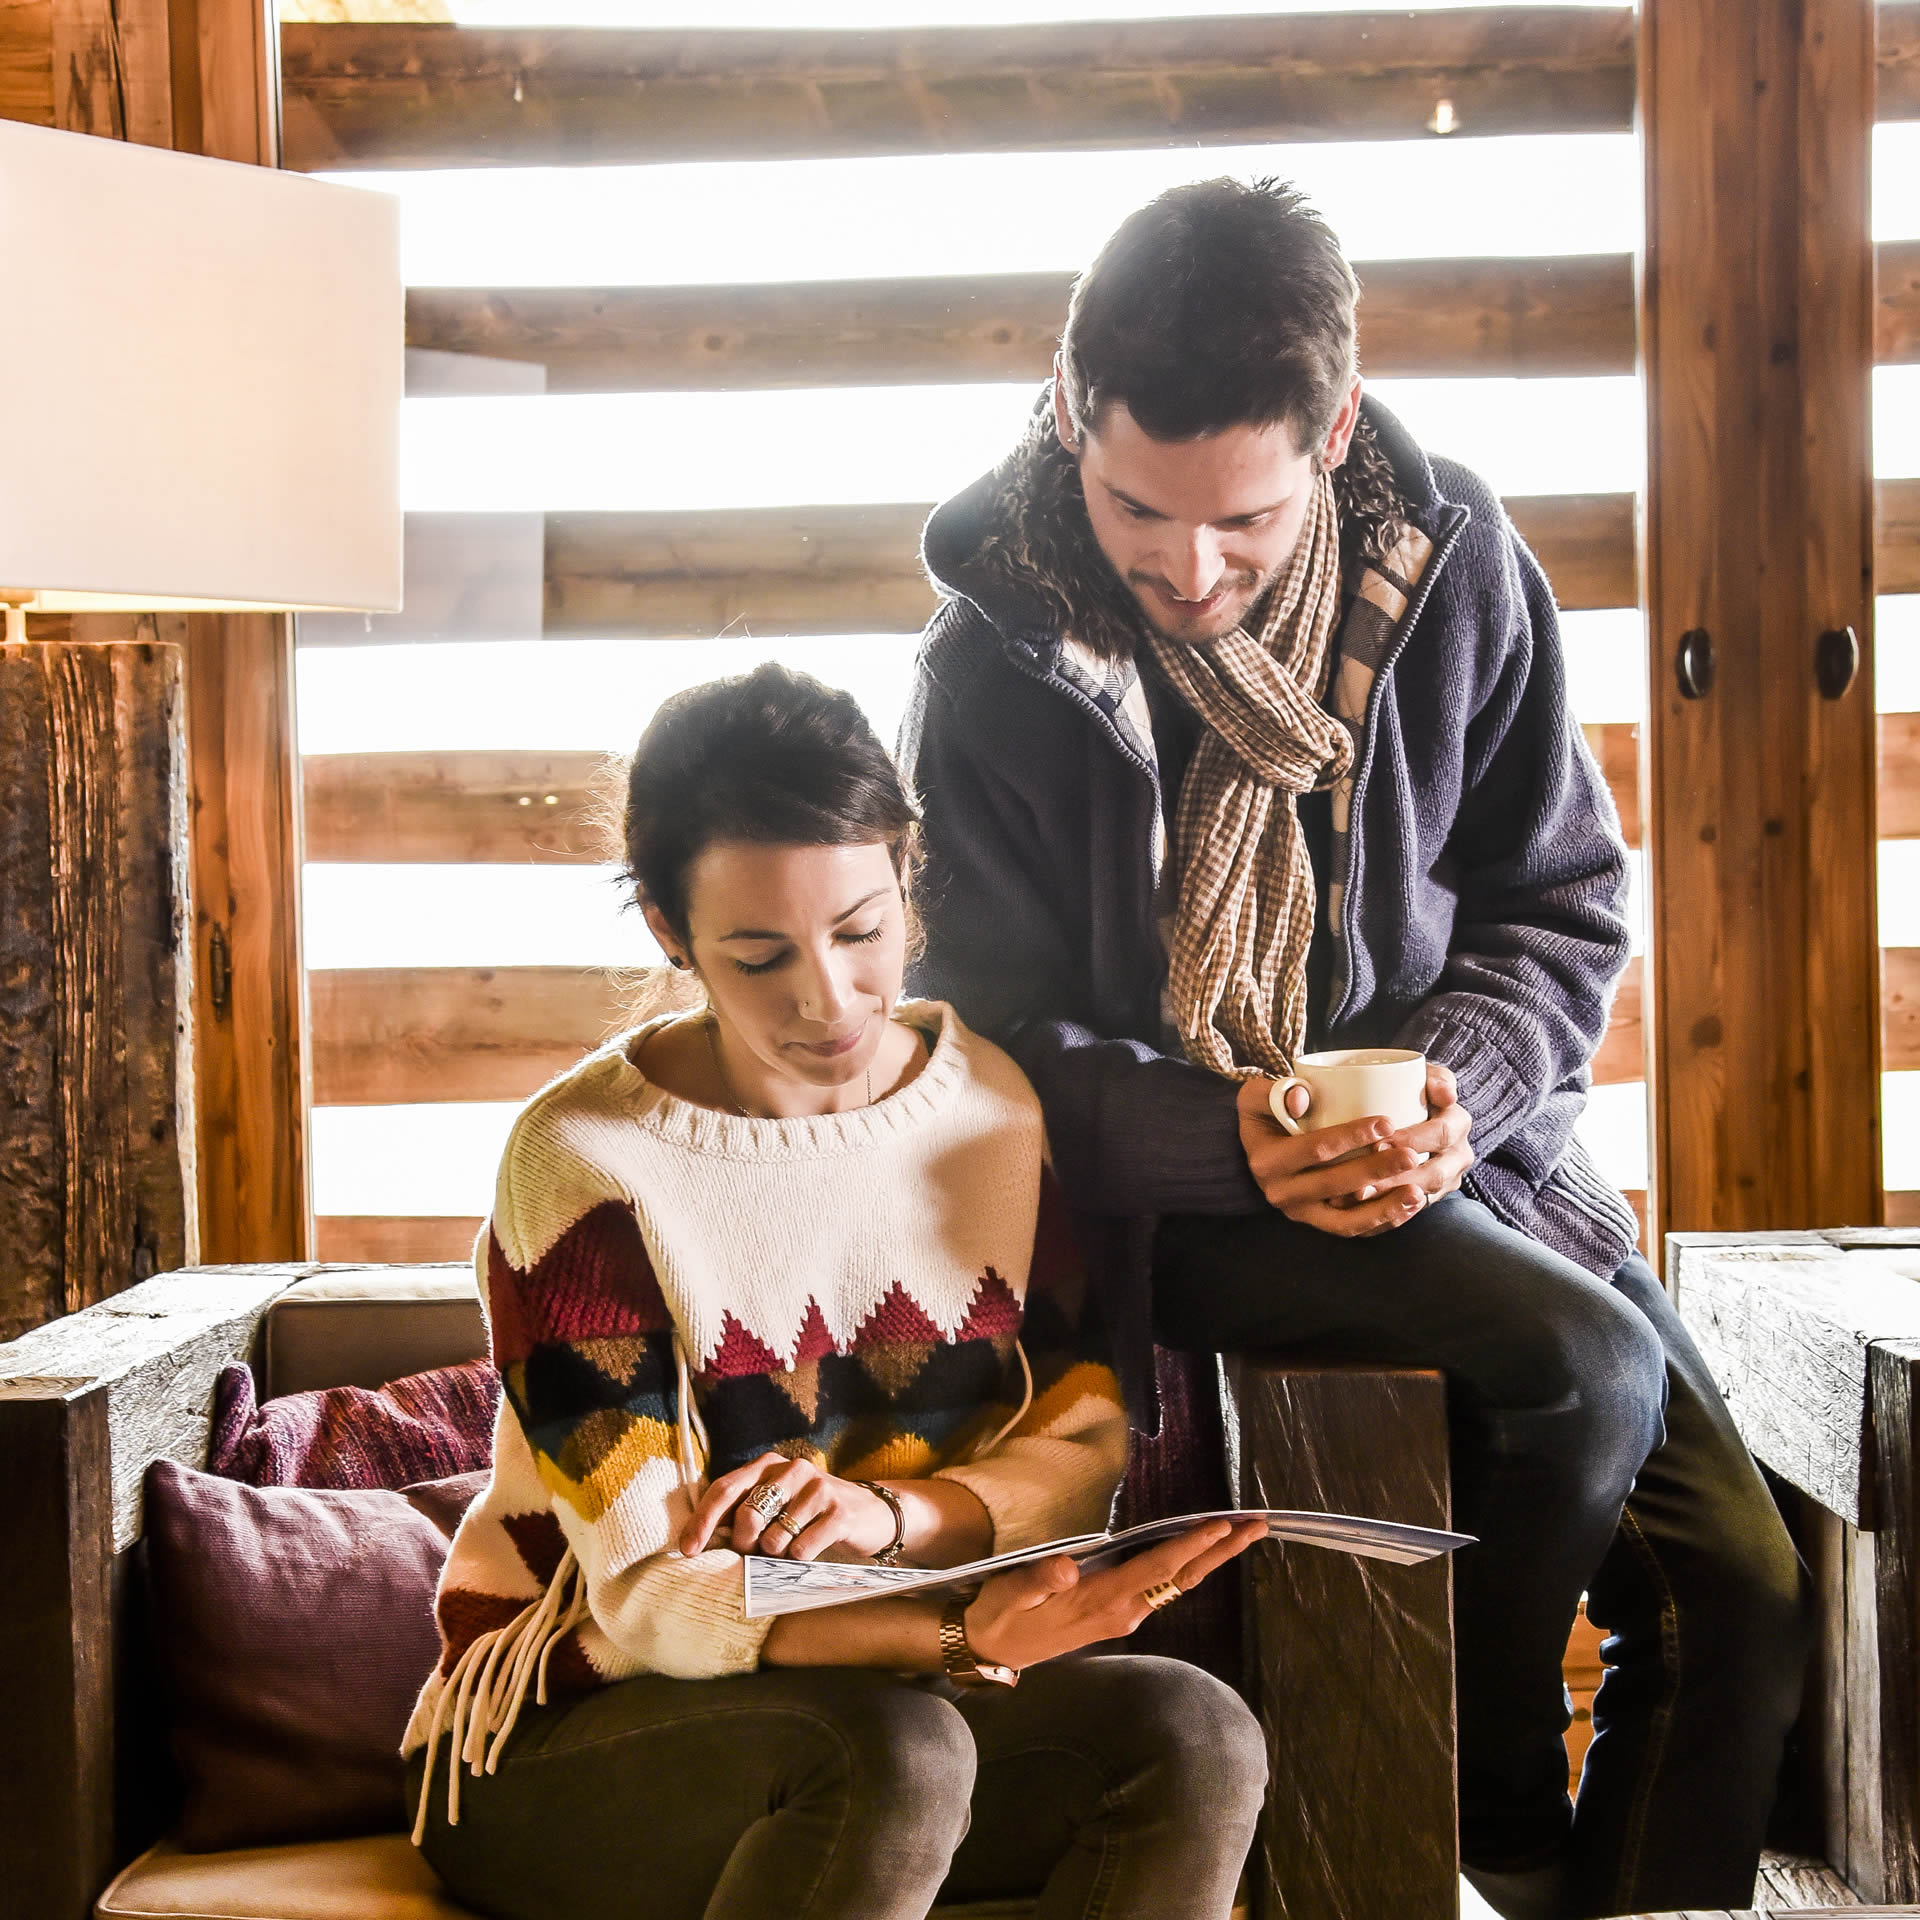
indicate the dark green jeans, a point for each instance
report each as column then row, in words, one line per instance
column 1115, row 1787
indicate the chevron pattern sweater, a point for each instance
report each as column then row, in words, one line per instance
column 672, row 1291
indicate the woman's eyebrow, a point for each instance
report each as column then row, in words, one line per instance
column 772, row 933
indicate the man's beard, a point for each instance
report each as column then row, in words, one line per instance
column 1248, row 592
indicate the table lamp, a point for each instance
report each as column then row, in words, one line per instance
column 202, row 384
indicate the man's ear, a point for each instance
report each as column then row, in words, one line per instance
column 1062, row 420
column 1340, row 435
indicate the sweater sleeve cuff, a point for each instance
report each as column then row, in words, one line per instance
column 1492, row 1088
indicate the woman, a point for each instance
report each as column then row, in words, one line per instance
column 787, row 1277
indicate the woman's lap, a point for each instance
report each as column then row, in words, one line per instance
column 826, row 1791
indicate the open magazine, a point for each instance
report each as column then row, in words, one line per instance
column 798, row 1586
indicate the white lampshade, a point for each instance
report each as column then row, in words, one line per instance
column 201, row 366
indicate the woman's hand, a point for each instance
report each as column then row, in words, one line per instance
column 825, row 1512
column 1040, row 1611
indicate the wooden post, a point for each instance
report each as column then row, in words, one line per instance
column 96, row 1082
column 1352, row 1659
column 1757, row 336
column 250, row 991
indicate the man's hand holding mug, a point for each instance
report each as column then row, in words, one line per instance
column 1356, row 1141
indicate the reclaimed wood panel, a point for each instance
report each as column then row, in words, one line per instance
column 1897, row 536
column 1899, row 817
column 1328, row 1626
column 394, row 1035
column 398, row 1238
column 424, row 96
column 814, row 570
column 1756, row 328
column 96, row 1157
column 494, row 807
column 1894, row 1366
column 1898, row 94
column 1785, row 1322
column 1418, row 318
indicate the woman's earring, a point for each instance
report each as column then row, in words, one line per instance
column 677, row 962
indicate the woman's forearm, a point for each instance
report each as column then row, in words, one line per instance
column 901, row 1635
column 946, row 1524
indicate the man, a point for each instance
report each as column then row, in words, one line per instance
column 1242, row 729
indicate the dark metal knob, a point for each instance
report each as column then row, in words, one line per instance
column 1836, row 659
column 1693, row 663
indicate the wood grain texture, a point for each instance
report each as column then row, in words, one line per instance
column 1376, row 1638
column 1898, row 93
column 391, row 1035
column 379, row 1238
column 26, row 61
column 1896, row 302
column 1895, row 1369
column 408, row 96
column 250, row 1043
column 57, row 1763
column 1897, row 536
column 1756, row 330
column 544, row 807
column 96, row 1085
column 1786, row 1329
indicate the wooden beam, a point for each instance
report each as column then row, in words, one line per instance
column 1571, row 316
column 1898, row 95
column 424, row 96
column 378, row 1239
column 1896, row 305
column 392, row 1035
column 1757, row 330
column 1897, row 536
column 248, row 1032
column 450, row 807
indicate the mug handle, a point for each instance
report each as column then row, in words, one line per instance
column 1277, row 1100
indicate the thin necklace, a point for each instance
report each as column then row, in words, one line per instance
column 720, row 1073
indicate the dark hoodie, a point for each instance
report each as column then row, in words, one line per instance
column 1483, row 918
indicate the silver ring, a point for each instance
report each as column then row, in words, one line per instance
column 768, row 1502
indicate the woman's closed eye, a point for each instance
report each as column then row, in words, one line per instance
column 785, row 954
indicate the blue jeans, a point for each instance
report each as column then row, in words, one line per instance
column 1591, row 1453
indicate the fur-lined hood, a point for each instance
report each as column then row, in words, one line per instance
column 1018, row 544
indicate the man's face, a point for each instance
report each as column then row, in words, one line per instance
column 1198, row 528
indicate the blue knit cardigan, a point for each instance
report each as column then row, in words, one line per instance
column 1484, row 919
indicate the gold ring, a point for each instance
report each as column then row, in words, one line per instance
column 1164, row 1595
column 792, row 1527
column 768, row 1502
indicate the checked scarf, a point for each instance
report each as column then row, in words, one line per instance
column 1244, row 922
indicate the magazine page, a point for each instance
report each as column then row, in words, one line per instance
column 774, row 1587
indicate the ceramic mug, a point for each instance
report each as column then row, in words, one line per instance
column 1354, row 1083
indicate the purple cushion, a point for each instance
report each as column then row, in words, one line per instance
column 292, row 1629
column 424, row 1427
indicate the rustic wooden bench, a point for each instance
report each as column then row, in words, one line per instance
column 1350, row 1662
column 1814, row 1339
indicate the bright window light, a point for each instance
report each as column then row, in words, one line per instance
column 571, row 696
column 729, row 222
column 1606, row 654
column 1900, row 1131
column 790, row 14
column 1613, row 1129
column 1900, row 893
column 432, row 1159
column 1896, row 422
column 1896, row 180
column 372, row 915
column 1896, row 653
column 653, row 452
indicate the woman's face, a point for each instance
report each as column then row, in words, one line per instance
column 802, row 950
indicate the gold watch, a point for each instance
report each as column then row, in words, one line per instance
column 962, row 1665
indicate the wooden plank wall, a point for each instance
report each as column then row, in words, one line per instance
column 403, row 96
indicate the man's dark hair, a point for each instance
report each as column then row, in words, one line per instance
column 1221, row 304
column 772, row 757
column 1228, row 303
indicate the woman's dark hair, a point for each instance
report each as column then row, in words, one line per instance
column 1228, row 303
column 772, row 757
